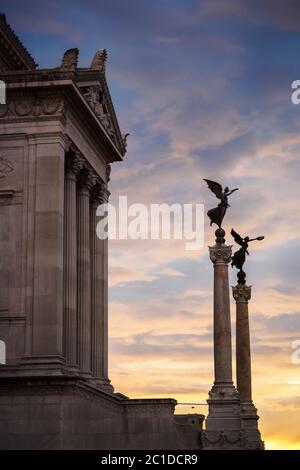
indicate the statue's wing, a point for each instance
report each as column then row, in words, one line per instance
column 237, row 238
column 216, row 188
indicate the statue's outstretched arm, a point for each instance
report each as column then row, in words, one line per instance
column 232, row 191
column 257, row 238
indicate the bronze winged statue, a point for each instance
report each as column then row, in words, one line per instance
column 239, row 257
column 217, row 214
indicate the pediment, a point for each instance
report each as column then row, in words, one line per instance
column 94, row 88
column 93, row 85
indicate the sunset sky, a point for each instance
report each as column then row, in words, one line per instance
column 204, row 88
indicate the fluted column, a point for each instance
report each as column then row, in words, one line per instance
column 85, row 184
column 72, row 167
column 99, row 297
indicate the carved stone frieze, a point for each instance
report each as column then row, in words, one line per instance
column 33, row 108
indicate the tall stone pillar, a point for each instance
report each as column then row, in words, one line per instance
column 224, row 409
column 99, row 297
column 242, row 295
column 44, row 300
column 85, row 184
column 72, row 168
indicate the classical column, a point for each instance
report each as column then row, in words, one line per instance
column 85, row 184
column 72, row 168
column 99, row 297
column 224, row 410
column 242, row 295
column 220, row 255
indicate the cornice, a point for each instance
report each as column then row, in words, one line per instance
column 67, row 96
column 81, row 78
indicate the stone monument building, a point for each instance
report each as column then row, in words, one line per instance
column 58, row 137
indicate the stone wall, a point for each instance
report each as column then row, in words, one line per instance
column 72, row 415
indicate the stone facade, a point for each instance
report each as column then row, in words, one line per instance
column 58, row 137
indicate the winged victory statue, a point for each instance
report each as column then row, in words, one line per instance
column 239, row 257
column 217, row 214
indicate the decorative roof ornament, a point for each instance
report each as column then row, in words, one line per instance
column 98, row 62
column 124, row 139
column 70, row 59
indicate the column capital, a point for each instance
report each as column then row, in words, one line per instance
column 74, row 164
column 220, row 254
column 104, row 193
column 241, row 293
column 86, row 179
column 96, row 197
column 100, row 193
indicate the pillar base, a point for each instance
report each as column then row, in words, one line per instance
column 250, row 424
column 52, row 367
column 249, row 415
column 224, row 412
column 102, row 384
column 230, row 425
